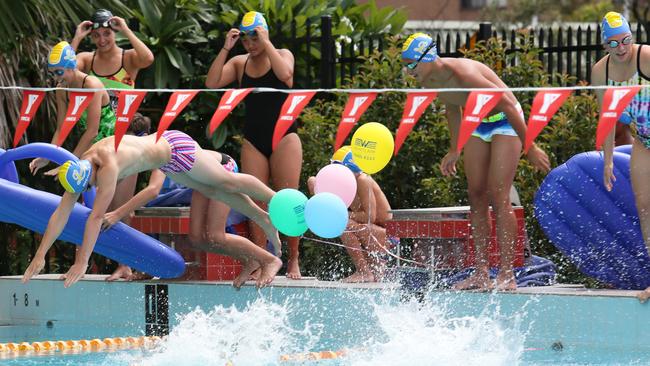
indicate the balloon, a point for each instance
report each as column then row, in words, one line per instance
column 287, row 212
column 372, row 147
column 339, row 180
column 326, row 215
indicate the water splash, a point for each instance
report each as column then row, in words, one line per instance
column 426, row 334
column 257, row 335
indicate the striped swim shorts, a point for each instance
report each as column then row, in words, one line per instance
column 183, row 152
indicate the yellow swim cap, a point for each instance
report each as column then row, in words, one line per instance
column 344, row 156
column 62, row 55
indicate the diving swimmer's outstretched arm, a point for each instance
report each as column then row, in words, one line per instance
column 54, row 228
column 106, row 182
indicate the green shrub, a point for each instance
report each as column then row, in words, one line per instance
column 413, row 179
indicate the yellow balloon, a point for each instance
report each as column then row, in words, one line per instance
column 372, row 147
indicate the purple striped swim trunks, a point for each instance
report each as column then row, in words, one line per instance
column 183, row 151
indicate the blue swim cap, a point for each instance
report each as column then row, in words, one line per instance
column 613, row 24
column 62, row 55
column 75, row 175
column 251, row 20
column 344, row 156
column 416, row 44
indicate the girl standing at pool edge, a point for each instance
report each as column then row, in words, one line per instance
column 262, row 66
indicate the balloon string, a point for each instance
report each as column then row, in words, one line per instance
column 370, row 237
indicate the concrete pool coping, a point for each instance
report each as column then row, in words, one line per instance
column 312, row 282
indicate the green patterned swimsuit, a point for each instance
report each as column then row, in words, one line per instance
column 106, row 120
column 118, row 80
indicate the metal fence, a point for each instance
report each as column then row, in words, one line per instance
column 330, row 61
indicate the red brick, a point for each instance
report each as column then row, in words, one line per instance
column 519, row 213
column 146, row 225
column 135, row 223
column 412, row 229
column 164, row 225
column 174, row 225
column 435, row 229
column 184, row 225
column 423, row 229
column 391, row 228
column 155, row 224
column 462, row 228
column 447, row 229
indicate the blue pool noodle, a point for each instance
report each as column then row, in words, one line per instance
column 32, row 209
column 597, row 230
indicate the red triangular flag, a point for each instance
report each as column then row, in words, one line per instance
column 31, row 101
column 78, row 102
column 615, row 100
column 228, row 102
column 290, row 110
column 545, row 104
column 416, row 104
column 354, row 108
column 479, row 104
column 177, row 102
column 127, row 104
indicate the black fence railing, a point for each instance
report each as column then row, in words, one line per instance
column 326, row 61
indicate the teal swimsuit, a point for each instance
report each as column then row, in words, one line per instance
column 639, row 109
column 496, row 124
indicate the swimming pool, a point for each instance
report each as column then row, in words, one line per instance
column 212, row 324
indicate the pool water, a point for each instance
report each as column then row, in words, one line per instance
column 376, row 328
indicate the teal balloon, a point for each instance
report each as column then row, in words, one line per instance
column 287, row 212
column 326, row 215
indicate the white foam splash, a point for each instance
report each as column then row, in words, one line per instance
column 256, row 335
column 425, row 334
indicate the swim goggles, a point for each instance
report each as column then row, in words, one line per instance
column 414, row 64
column 252, row 33
column 104, row 24
column 625, row 41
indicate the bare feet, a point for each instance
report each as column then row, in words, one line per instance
column 506, row 281
column 293, row 269
column 249, row 267
column 475, row 282
column 268, row 272
column 122, row 271
column 360, row 277
column 644, row 295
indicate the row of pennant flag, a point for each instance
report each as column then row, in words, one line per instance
column 479, row 104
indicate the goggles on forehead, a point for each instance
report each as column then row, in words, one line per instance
column 104, row 24
column 58, row 72
column 414, row 64
column 625, row 41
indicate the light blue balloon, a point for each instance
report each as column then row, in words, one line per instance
column 326, row 215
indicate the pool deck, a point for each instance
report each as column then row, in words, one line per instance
column 312, row 282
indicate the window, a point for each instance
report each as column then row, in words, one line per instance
column 477, row 4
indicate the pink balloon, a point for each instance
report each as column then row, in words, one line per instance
column 339, row 180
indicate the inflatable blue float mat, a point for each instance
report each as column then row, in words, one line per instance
column 597, row 230
column 32, row 209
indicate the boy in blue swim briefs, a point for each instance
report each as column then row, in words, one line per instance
column 182, row 160
column 491, row 154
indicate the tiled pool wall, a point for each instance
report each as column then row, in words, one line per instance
column 44, row 310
